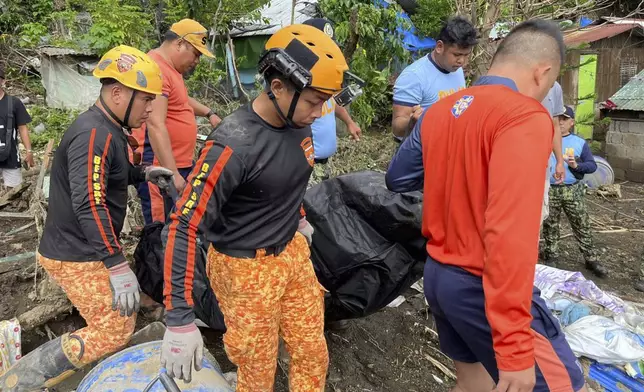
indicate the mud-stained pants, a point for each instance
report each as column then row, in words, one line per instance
column 87, row 285
column 267, row 297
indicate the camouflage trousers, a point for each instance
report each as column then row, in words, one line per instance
column 321, row 172
column 87, row 285
column 267, row 297
column 571, row 200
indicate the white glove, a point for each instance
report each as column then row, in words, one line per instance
column 159, row 176
column 125, row 290
column 306, row 229
column 180, row 346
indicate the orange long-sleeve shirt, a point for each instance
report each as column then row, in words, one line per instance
column 484, row 154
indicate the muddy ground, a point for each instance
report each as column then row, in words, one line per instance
column 393, row 350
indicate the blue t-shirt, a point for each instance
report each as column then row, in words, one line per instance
column 423, row 83
column 324, row 137
column 574, row 146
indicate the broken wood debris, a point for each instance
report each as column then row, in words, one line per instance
column 16, row 215
column 20, row 229
column 13, row 193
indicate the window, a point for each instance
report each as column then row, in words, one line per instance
column 627, row 69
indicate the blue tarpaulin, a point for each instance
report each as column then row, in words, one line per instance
column 584, row 21
column 411, row 41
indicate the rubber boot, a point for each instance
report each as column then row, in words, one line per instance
column 44, row 367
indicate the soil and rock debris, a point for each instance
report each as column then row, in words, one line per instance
column 395, row 349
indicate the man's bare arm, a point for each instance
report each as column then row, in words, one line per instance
column 26, row 141
column 200, row 109
column 400, row 119
column 557, row 149
column 343, row 114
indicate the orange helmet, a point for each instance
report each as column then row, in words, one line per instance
column 308, row 56
column 132, row 68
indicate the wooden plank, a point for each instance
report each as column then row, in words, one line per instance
column 14, row 193
column 19, row 257
column 16, row 215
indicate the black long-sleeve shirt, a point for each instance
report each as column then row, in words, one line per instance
column 244, row 193
column 88, row 192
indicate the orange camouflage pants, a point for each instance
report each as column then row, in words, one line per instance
column 87, row 285
column 267, row 297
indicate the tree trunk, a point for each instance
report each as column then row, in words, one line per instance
column 352, row 41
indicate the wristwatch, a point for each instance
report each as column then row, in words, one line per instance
column 210, row 114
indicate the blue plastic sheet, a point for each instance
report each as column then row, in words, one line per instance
column 411, row 41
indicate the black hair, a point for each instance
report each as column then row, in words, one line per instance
column 170, row 36
column 537, row 39
column 272, row 74
column 458, row 31
column 108, row 81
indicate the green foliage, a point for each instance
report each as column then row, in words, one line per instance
column 206, row 76
column 130, row 26
column 219, row 14
column 16, row 13
column 113, row 22
column 430, row 15
column 56, row 122
column 31, row 33
column 378, row 43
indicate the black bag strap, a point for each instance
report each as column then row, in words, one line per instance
column 10, row 120
column 10, row 107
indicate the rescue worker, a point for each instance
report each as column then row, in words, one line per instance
column 570, row 197
column 324, row 128
column 169, row 136
column 481, row 156
column 245, row 196
column 434, row 76
column 80, row 249
column 11, row 108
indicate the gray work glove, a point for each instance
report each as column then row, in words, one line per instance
column 180, row 346
column 159, row 176
column 306, row 229
column 125, row 290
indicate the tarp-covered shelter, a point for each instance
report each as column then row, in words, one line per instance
column 67, row 77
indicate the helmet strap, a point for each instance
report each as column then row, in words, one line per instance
column 123, row 123
column 288, row 120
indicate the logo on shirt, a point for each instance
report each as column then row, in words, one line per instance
column 97, row 191
column 446, row 93
column 461, row 105
column 197, row 181
column 307, row 147
column 125, row 62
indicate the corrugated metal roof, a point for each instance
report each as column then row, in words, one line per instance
column 631, row 96
column 57, row 52
column 595, row 33
column 278, row 14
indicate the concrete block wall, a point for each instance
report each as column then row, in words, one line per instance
column 625, row 149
